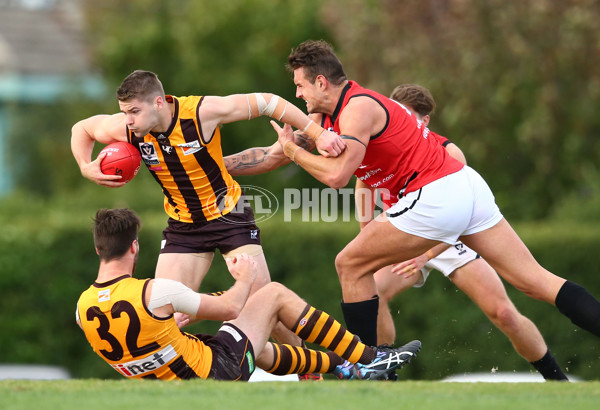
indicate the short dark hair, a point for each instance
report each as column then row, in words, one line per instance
column 416, row 97
column 114, row 231
column 317, row 58
column 140, row 84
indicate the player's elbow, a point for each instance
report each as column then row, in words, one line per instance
column 337, row 180
column 233, row 308
column 76, row 129
column 231, row 311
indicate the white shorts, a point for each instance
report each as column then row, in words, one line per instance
column 448, row 261
column 457, row 204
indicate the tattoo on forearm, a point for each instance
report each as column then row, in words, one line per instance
column 303, row 141
column 246, row 159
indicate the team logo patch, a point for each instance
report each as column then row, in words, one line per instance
column 303, row 321
column 460, row 247
column 190, row 148
column 254, row 234
column 149, row 154
column 104, row 295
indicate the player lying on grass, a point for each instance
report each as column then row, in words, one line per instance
column 129, row 322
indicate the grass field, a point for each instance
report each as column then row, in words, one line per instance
column 329, row 394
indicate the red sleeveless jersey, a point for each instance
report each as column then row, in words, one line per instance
column 404, row 156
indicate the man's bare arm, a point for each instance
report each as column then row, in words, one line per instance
column 260, row 160
column 102, row 128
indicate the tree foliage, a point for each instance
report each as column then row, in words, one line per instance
column 517, row 84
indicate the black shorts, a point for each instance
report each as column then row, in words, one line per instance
column 226, row 233
column 233, row 355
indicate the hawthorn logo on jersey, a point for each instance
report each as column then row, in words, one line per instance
column 167, row 148
column 149, row 154
column 190, row 148
column 148, row 364
column 104, row 295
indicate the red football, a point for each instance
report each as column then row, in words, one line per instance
column 121, row 159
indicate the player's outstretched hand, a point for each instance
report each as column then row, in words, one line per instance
column 284, row 134
column 330, row 144
column 92, row 172
column 242, row 267
column 410, row 267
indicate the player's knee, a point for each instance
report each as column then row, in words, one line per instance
column 340, row 266
column 506, row 316
column 268, row 292
column 275, row 290
column 344, row 265
column 385, row 292
column 386, row 295
column 280, row 295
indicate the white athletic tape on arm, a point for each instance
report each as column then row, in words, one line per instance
column 283, row 112
column 263, row 107
column 270, row 108
column 249, row 107
column 183, row 299
column 276, row 106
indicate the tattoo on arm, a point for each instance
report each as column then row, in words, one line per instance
column 246, row 159
column 303, row 141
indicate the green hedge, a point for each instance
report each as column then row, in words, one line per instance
column 48, row 260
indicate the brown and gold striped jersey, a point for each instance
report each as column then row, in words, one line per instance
column 191, row 172
column 123, row 332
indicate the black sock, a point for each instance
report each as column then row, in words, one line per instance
column 548, row 368
column 577, row 304
column 361, row 319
